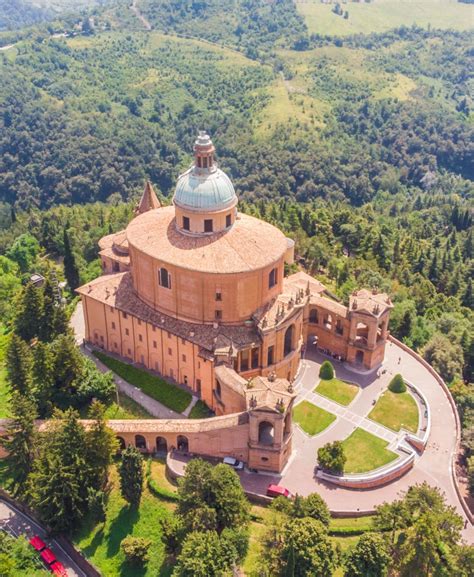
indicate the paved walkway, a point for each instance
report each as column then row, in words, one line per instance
column 16, row 523
column 154, row 407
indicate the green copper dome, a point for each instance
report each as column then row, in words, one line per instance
column 204, row 187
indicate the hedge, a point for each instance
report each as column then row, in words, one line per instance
column 167, row 394
column 397, row 384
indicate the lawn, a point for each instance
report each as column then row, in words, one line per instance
column 311, row 418
column 336, row 390
column 365, row 452
column 169, row 395
column 101, row 542
column 128, row 409
column 200, row 411
column 396, row 410
column 383, row 15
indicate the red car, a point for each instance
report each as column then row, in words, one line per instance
column 278, row 491
column 48, row 557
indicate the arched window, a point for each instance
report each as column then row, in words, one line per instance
column 313, row 316
column 140, row 442
column 122, row 445
column 182, row 443
column 164, row 278
column 289, row 339
column 265, row 433
column 161, row 445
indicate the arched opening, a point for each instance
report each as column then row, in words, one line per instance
column 289, row 340
column 265, row 433
column 218, row 389
column 140, row 442
column 362, row 333
column 161, row 445
column 339, row 327
column 313, row 316
column 328, row 322
column 182, row 443
column 360, row 357
column 122, row 445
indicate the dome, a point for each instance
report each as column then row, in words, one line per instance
column 206, row 191
column 204, row 187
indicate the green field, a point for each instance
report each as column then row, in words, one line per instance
column 100, row 542
column 382, row 15
column 311, row 418
column 169, row 395
column 200, row 411
column 396, row 410
column 365, row 452
column 337, row 390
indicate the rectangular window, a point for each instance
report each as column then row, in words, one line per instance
column 113, row 325
column 270, row 355
column 228, row 220
column 185, row 223
column 124, row 315
column 170, row 352
column 208, row 227
column 169, row 335
column 127, row 332
column 218, row 296
column 153, row 328
column 115, row 345
column 164, row 278
column 218, row 314
column 111, row 309
column 154, row 345
column 272, row 278
column 198, row 385
column 244, row 360
column 183, row 341
column 140, row 338
column 129, row 352
column 255, row 358
column 184, row 358
column 139, row 322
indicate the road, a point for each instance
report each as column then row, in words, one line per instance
column 16, row 523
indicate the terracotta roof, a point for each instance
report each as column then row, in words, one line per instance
column 300, row 280
column 231, row 378
column 263, row 392
column 148, row 201
column 250, row 244
column 329, row 305
column 116, row 290
column 369, row 302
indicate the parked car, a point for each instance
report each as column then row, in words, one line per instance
column 278, row 491
column 235, row 463
column 48, row 557
column 58, row 569
column 37, row 543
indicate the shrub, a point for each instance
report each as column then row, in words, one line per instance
column 136, row 549
column 326, row 371
column 331, row 457
column 397, row 384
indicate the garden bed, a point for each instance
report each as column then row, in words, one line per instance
column 337, row 390
column 365, row 452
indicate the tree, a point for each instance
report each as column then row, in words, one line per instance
column 315, row 507
column 68, row 365
column 24, row 251
column 93, row 384
column 369, row 558
column 101, row 445
column 397, row 384
column 204, row 555
column 131, row 475
column 29, row 312
column 136, row 549
column 19, row 365
column 19, row 441
column 60, row 481
column 96, row 503
column 307, row 545
column 331, row 457
column 71, row 270
column 43, row 378
column 47, row 331
column 326, row 371
column 445, row 356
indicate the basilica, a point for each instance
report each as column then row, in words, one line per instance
column 197, row 293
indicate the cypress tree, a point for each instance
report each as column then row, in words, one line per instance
column 43, row 378
column 19, row 441
column 19, row 365
column 71, row 270
column 131, row 475
column 101, row 445
column 29, row 317
column 47, row 329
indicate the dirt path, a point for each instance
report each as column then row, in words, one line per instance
column 136, row 10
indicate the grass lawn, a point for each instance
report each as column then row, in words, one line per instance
column 365, row 452
column 311, row 418
column 336, row 390
column 158, row 474
column 169, row 395
column 101, row 543
column 128, row 409
column 395, row 410
column 384, row 15
column 200, row 411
